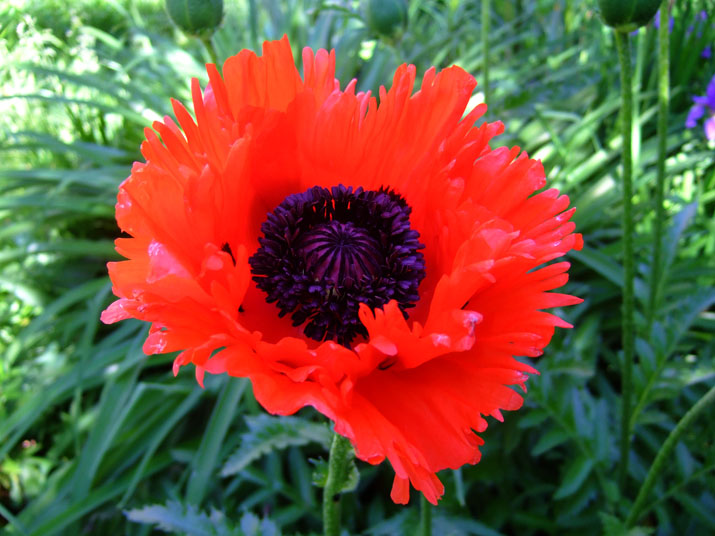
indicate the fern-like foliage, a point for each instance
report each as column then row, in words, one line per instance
column 268, row 433
column 176, row 518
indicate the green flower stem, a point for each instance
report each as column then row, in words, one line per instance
column 628, row 324
column 486, row 14
column 664, row 454
column 253, row 23
column 338, row 470
column 663, row 98
column 425, row 517
column 206, row 40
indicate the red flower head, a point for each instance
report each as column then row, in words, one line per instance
column 379, row 262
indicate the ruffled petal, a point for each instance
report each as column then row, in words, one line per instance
column 423, row 419
column 695, row 113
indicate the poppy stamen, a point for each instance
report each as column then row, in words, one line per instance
column 325, row 251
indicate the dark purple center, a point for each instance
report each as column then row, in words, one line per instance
column 324, row 252
column 340, row 252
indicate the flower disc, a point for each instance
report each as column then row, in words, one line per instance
column 326, row 251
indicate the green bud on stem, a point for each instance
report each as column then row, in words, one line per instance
column 196, row 17
column 627, row 15
column 386, row 18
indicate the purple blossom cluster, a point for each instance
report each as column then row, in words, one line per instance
column 704, row 106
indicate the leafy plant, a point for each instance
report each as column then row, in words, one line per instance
column 97, row 438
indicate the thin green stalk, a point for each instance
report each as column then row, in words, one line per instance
column 425, row 517
column 628, row 323
column 486, row 14
column 638, row 43
column 680, row 486
column 206, row 40
column 338, row 470
column 12, row 520
column 253, row 23
column 663, row 98
column 90, row 331
column 664, row 454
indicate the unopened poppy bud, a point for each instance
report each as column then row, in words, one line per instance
column 195, row 16
column 386, row 17
column 628, row 15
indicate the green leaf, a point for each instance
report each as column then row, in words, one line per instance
column 31, row 407
column 267, row 433
column 320, row 475
column 575, row 475
column 252, row 525
column 206, row 458
column 602, row 436
column 118, row 397
column 555, row 436
column 697, row 509
column 174, row 517
column 647, row 356
column 600, row 263
column 533, row 418
column 451, row 524
column 161, row 432
column 681, row 221
column 56, row 515
column 459, row 486
column 613, row 526
column 583, row 425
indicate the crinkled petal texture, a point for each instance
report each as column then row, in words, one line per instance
column 414, row 390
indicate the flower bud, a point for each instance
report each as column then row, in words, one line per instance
column 386, row 17
column 195, row 16
column 628, row 15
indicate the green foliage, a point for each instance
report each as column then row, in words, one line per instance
column 97, row 438
column 177, row 519
column 320, row 476
column 612, row 526
column 267, row 433
column 386, row 17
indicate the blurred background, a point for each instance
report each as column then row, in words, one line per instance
column 96, row 438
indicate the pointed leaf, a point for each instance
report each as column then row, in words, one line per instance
column 266, row 433
column 555, row 436
column 174, row 518
column 576, row 473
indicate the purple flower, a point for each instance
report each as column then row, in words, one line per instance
column 702, row 16
column 704, row 106
column 656, row 21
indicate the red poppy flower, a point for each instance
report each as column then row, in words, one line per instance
column 379, row 262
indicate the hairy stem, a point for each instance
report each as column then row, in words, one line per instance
column 664, row 454
column 338, row 470
column 663, row 97
column 206, row 40
column 253, row 23
column 628, row 324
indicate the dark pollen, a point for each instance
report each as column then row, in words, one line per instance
column 324, row 252
column 226, row 248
